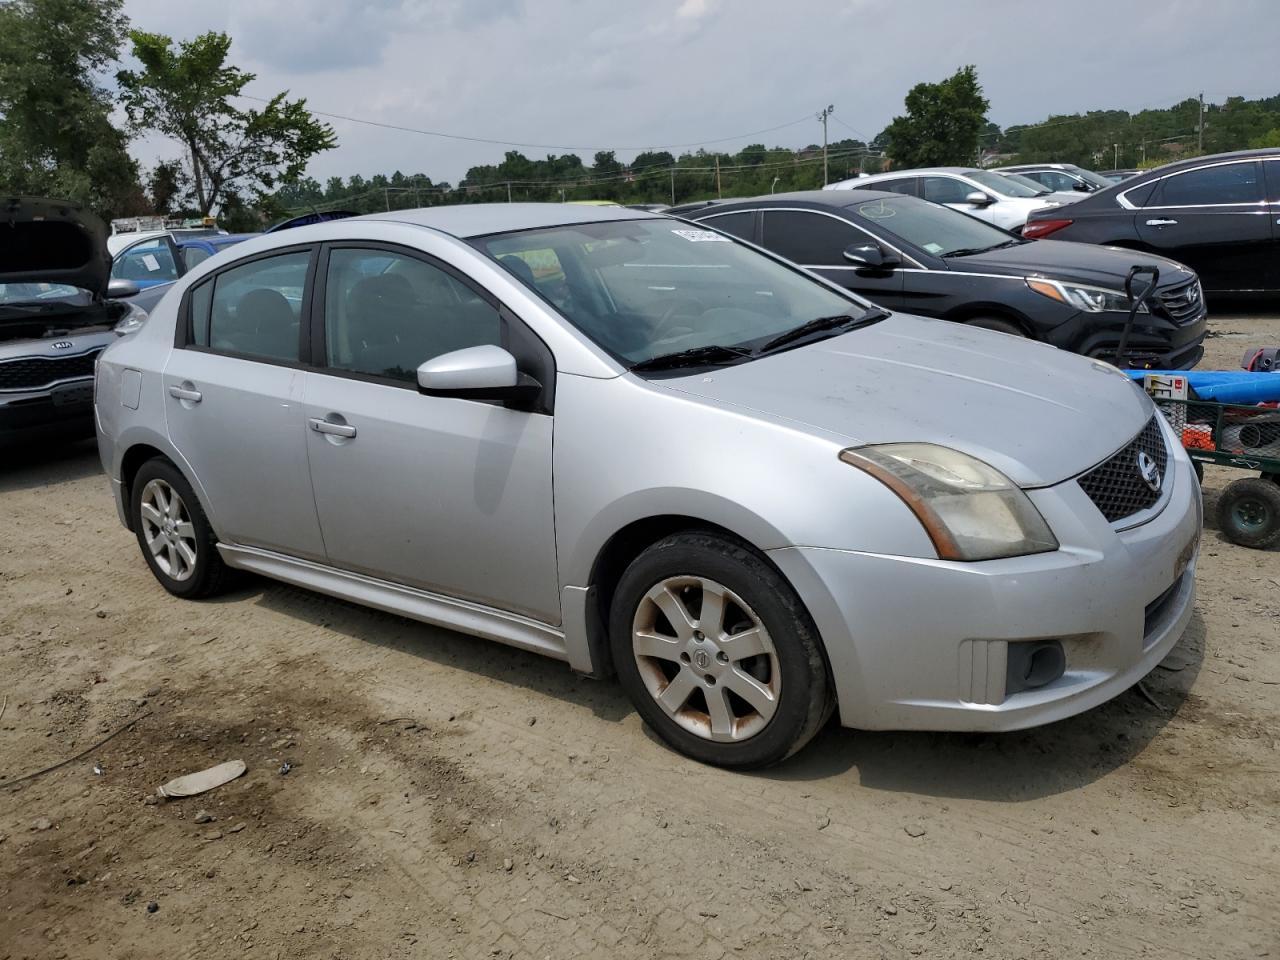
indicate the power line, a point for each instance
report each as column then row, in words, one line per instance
column 535, row 146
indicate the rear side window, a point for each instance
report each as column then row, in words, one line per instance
column 905, row 185
column 740, row 224
column 809, row 239
column 254, row 310
column 386, row 313
column 1210, row 186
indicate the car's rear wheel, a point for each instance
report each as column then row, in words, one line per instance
column 717, row 652
column 173, row 532
column 998, row 324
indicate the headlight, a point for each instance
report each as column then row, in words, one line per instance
column 1088, row 299
column 970, row 510
column 132, row 322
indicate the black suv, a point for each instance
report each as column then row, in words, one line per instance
column 925, row 258
column 1215, row 214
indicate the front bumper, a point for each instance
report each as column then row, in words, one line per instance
column 921, row 644
column 1152, row 341
column 63, row 411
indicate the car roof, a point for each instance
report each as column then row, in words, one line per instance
column 466, row 220
column 1206, row 159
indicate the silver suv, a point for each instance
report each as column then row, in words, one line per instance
column 642, row 446
column 57, row 313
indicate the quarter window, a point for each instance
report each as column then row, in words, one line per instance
column 811, row 239
column 255, row 309
column 1211, row 186
column 386, row 313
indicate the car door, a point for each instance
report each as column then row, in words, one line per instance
column 447, row 495
column 817, row 241
column 149, row 262
column 233, row 396
column 1271, row 170
column 1215, row 219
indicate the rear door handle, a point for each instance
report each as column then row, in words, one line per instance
column 336, row 429
column 1161, row 223
column 185, row 393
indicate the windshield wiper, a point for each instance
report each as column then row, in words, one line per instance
column 970, row 251
column 821, row 324
column 712, row 354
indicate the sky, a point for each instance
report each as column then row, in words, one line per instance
column 603, row 74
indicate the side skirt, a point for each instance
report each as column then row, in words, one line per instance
column 433, row 608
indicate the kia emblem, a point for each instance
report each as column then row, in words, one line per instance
column 63, row 345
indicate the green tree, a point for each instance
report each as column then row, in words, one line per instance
column 165, row 186
column 186, row 93
column 942, row 124
column 57, row 138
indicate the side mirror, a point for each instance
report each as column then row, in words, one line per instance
column 869, row 256
column 477, row 373
column 119, row 289
column 1082, row 187
column 979, row 199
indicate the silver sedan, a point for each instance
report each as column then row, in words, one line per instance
column 651, row 450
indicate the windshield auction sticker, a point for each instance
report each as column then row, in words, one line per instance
column 701, row 236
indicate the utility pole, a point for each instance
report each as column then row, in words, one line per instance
column 386, row 198
column 1117, row 156
column 673, row 186
column 508, row 191
column 823, row 117
column 1200, row 126
column 718, row 193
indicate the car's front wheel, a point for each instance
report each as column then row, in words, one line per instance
column 717, row 652
column 173, row 532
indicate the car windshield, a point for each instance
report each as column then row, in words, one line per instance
column 652, row 288
column 11, row 293
column 1007, row 184
column 932, row 227
column 1090, row 177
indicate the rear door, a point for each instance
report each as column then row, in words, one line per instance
column 149, row 262
column 817, row 241
column 1216, row 220
column 233, row 402
column 1271, row 169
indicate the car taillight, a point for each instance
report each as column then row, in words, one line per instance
column 1036, row 229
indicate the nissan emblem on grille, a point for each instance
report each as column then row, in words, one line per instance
column 1132, row 479
column 1149, row 471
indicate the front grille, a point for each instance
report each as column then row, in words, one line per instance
column 1181, row 304
column 32, row 373
column 1116, row 486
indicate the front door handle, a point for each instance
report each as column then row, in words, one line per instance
column 185, row 393
column 331, row 428
column 1161, row 223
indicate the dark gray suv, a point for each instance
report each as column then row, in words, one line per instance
column 58, row 311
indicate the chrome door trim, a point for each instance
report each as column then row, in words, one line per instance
column 436, row 609
column 1123, row 199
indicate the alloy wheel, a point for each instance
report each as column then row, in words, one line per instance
column 706, row 658
column 168, row 531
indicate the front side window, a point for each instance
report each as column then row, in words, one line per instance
column 811, row 239
column 386, row 313
column 1006, row 184
column 146, row 263
column 648, row 288
column 1053, row 180
column 1211, row 186
column 946, row 190
column 934, row 229
column 255, row 309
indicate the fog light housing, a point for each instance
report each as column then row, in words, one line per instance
column 1033, row 664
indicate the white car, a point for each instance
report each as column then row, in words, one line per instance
column 1005, row 200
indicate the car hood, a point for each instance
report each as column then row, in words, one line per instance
column 1079, row 262
column 1036, row 413
column 53, row 241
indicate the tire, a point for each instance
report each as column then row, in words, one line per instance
column 1198, row 467
column 167, row 515
column 777, row 660
column 1249, row 513
column 998, row 324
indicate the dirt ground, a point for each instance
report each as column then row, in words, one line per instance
column 449, row 797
